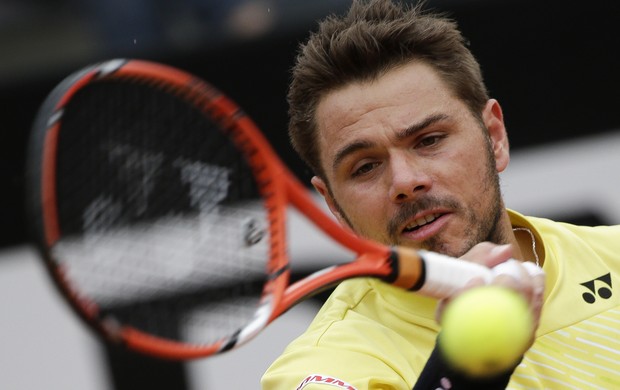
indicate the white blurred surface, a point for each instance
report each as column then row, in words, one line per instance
column 43, row 345
column 568, row 178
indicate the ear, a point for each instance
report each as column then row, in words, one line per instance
column 493, row 119
column 320, row 185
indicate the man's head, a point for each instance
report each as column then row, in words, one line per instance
column 389, row 109
column 372, row 38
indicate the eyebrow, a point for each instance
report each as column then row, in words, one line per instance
column 416, row 127
column 403, row 134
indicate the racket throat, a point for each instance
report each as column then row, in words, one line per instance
column 408, row 270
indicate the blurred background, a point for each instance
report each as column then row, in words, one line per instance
column 553, row 65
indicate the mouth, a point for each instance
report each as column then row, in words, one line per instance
column 420, row 222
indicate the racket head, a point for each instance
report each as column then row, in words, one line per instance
column 158, row 208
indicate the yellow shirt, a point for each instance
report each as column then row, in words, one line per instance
column 370, row 335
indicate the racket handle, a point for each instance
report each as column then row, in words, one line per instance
column 442, row 275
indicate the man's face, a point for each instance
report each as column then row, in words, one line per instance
column 407, row 163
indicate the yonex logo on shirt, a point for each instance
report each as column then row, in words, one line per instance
column 603, row 291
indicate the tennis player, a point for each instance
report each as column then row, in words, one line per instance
column 389, row 110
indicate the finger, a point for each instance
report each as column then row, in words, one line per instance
column 537, row 276
column 527, row 279
column 513, row 274
column 512, row 268
column 488, row 254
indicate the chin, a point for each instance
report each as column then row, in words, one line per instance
column 446, row 248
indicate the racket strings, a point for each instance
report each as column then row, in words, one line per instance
column 159, row 214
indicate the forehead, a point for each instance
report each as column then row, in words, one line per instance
column 394, row 101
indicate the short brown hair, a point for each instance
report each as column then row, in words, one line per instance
column 372, row 38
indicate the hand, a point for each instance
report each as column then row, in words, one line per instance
column 525, row 278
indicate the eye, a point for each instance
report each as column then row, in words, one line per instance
column 430, row 140
column 364, row 169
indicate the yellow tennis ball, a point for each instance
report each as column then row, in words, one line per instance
column 485, row 330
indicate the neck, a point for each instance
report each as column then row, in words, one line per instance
column 509, row 236
column 526, row 244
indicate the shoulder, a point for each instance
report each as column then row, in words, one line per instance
column 600, row 239
column 370, row 310
column 355, row 338
column 555, row 234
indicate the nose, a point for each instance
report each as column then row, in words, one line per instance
column 409, row 179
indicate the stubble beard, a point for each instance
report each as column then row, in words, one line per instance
column 478, row 228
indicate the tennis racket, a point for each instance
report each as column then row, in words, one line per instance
column 160, row 210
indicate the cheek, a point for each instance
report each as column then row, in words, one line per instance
column 364, row 209
column 469, row 171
